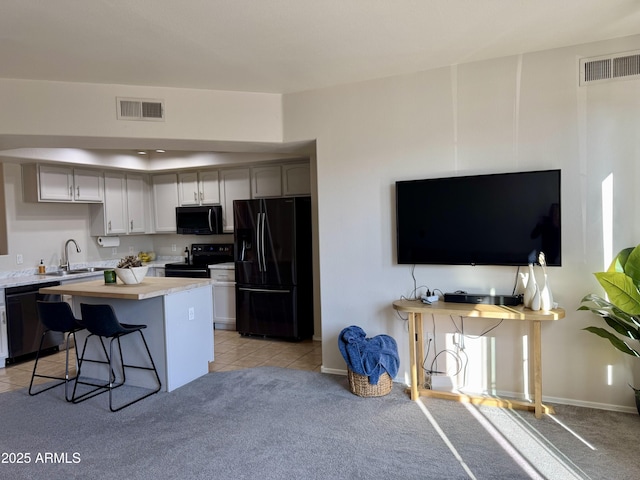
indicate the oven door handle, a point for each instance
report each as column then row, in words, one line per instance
column 184, row 273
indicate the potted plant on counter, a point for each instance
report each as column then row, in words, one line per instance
column 131, row 271
column 621, row 312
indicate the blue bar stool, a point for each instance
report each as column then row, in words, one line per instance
column 101, row 321
column 56, row 317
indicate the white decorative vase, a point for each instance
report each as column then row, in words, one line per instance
column 531, row 287
column 535, row 301
column 546, row 297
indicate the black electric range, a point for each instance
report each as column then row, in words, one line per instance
column 202, row 255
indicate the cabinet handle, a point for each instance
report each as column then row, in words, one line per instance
column 201, row 196
column 78, row 191
column 195, row 197
column 109, row 226
column 131, row 224
column 70, row 191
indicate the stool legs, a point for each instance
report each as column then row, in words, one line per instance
column 112, row 383
column 64, row 380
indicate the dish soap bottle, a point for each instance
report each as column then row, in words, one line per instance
column 41, row 268
column 186, row 255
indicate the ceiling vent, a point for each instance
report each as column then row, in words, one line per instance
column 620, row 66
column 140, row 109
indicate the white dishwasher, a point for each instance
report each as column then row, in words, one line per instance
column 223, row 279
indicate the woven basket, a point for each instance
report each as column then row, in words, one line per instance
column 359, row 385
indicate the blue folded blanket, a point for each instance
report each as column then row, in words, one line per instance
column 369, row 356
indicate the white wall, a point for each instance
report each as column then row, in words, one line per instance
column 88, row 110
column 517, row 113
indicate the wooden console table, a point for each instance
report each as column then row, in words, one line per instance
column 416, row 309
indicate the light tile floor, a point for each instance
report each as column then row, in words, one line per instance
column 231, row 350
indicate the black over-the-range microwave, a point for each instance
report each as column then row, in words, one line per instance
column 205, row 220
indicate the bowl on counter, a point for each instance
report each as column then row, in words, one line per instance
column 132, row 275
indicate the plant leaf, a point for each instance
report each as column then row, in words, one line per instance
column 632, row 265
column 621, row 290
column 618, row 263
column 622, row 328
column 605, row 308
column 615, row 341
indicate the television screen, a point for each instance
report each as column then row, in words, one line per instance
column 499, row 219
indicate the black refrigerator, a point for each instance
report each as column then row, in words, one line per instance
column 273, row 264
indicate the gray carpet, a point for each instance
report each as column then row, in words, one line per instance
column 271, row 423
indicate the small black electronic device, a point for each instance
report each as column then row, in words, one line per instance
column 463, row 297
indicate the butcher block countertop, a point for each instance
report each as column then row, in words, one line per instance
column 149, row 288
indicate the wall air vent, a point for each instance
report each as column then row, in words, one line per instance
column 140, row 109
column 620, row 66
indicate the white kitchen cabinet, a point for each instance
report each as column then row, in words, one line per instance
column 136, row 203
column 296, row 179
column 55, row 183
column 266, row 181
column 87, row 185
column 165, row 201
column 125, row 206
column 199, row 188
column 115, row 204
column 224, row 297
column 235, row 184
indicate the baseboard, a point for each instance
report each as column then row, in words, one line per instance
column 333, row 371
column 545, row 399
column 595, row 405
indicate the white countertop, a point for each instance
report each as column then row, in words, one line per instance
column 20, row 278
column 150, row 287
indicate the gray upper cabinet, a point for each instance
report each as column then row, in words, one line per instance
column 125, row 209
column 235, row 184
column 55, row 183
column 165, row 201
column 266, row 181
column 199, row 188
column 296, row 179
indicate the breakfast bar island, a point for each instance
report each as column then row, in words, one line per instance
column 178, row 313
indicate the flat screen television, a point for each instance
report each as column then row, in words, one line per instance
column 497, row 219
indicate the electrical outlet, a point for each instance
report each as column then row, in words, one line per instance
column 19, row 259
column 114, row 251
column 192, row 313
column 132, row 250
column 173, row 248
column 429, row 336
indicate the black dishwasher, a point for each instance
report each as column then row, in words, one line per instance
column 24, row 329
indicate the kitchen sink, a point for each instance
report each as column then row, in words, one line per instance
column 76, row 271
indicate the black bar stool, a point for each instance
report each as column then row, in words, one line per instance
column 56, row 317
column 101, row 321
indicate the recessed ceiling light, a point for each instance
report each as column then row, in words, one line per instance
column 160, row 150
column 142, row 152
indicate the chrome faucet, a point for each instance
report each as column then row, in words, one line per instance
column 65, row 264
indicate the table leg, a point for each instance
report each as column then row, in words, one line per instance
column 412, row 356
column 419, row 349
column 537, row 367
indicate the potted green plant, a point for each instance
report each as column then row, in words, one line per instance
column 621, row 312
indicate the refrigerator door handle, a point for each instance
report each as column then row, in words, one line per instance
column 210, row 226
column 258, row 241
column 264, row 259
column 263, row 290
